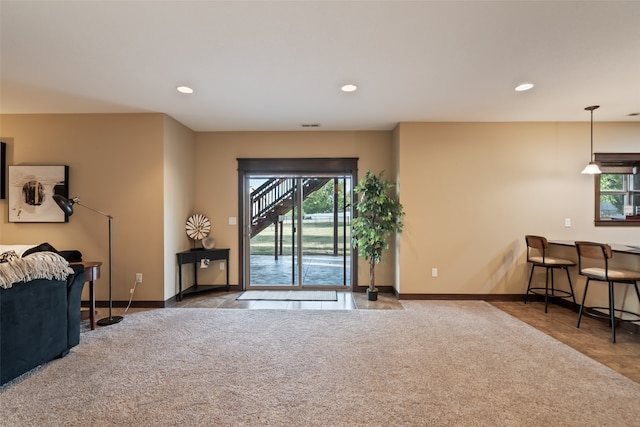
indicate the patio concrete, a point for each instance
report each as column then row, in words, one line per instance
column 318, row 270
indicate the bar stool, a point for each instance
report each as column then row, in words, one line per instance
column 537, row 256
column 601, row 253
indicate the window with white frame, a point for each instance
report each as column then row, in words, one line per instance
column 618, row 189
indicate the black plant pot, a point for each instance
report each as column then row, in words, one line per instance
column 372, row 295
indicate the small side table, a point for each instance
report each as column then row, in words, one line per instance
column 91, row 274
column 194, row 257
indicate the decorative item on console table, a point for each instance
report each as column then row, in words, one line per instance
column 198, row 227
column 379, row 215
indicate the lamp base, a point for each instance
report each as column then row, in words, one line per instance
column 110, row 320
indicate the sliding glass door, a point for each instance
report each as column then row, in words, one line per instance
column 299, row 231
column 296, row 230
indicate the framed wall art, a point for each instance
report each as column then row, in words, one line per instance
column 31, row 190
column 3, row 169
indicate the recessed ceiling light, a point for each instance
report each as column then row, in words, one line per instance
column 184, row 89
column 524, row 86
column 349, row 88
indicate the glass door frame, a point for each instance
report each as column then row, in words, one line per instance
column 286, row 166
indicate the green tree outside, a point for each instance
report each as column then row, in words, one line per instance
column 321, row 201
column 612, row 182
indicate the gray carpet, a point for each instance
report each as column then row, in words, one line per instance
column 289, row 296
column 440, row 363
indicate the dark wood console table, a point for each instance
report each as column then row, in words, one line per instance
column 194, row 257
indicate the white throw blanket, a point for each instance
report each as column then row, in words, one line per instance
column 40, row 265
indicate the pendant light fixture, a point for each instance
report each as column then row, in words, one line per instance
column 592, row 168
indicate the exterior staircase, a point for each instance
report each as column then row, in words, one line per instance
column 276, row 197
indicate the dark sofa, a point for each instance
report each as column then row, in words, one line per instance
column 39, row 321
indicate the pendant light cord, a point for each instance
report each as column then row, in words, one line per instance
column 592, row 135
column 591, row 108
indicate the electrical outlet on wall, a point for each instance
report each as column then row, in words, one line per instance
column 138, row 277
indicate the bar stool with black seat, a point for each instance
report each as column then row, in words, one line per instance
column 537, row 255
column 598, row 269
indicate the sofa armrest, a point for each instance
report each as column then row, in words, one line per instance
column 75, row 283
column 33, row 326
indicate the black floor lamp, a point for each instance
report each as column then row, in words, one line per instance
column 67, row 207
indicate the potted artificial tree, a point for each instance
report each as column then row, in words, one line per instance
column 379, row 216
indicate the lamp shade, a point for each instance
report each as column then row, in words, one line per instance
column 591, row 169
column 65, row 204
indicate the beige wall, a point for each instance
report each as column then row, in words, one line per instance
column 217, row 177
column 471, row 191
column 179, row 197
column 116, row 166
column 395, row 140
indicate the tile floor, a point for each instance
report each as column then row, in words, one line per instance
column 346, row 301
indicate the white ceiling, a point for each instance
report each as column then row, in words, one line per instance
column 275, row 65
